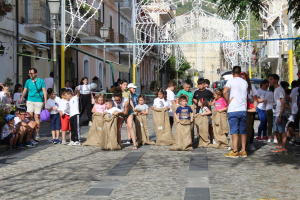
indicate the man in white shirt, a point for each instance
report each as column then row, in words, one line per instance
column 235, row 92
column 279, row 120
column 171, row 99
column 261, row 109
column 49, row 81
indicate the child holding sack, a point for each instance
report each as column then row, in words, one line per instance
column 201, row 121
column 219, row 118
column 96, row 136
column 184, row 119
column 161, row 120
column 141, row 125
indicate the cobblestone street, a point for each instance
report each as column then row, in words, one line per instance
column 63, row 172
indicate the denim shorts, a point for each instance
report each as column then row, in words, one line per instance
column 279, row 127
column 237, row 122
column 55, row 122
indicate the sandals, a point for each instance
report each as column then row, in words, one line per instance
column 280, row 150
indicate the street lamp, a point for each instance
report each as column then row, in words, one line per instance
column 54, row 6
column 104, row 32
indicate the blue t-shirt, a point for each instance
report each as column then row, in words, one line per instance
column 184, row 112
column 35, row 92
column 134, row 98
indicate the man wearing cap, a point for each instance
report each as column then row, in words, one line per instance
column 133, row 95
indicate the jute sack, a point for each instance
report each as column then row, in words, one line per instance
column 201, row 123
column 183, row 139
column 220, row 127
column 142, row 131
column 96, row 136
column 111, row 132
column 162, row 127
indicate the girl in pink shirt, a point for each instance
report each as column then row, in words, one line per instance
column 99, row 106
column 219, row 103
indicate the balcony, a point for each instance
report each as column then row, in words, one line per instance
column 75, row 25
column 37, row 17
column 93, row 29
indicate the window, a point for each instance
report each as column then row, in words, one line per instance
column 122, row 30
column 110, row 22
column 86, row 69
column 100, row 71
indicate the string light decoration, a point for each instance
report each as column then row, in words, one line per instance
column 202, row 16
column 78, row 14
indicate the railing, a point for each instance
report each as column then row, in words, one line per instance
column 38, row 13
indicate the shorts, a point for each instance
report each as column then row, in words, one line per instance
column 6, row 140
column 237, row 122
column 55, row 122
column 65, row 123
column 34, row 107
column 279, row 127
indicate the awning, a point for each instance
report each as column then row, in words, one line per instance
column 121, row 68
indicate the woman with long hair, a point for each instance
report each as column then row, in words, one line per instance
column 85, row 100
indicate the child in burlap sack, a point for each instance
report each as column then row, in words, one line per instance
column 141, row 125
column 202, row 112
column 161, row 120
column 219, row 118
column 184, row 119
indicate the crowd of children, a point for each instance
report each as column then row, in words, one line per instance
column 200, row 118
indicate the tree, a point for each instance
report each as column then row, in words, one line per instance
column 241, row 7
column 170, row 68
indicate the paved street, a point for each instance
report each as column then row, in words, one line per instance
column 63, row 172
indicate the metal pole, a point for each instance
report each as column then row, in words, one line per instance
column 291, row 53
column 134, row 40
column 17, row 41
column 55, row 71
column 104, row 66
column 249, row 38
column 63, row 41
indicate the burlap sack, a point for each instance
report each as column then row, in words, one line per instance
column 162, row 127
column 111, row 132
column 221, row 128
column 201, row 123
column 96, row 136
column 142, row 131
column 183, row 139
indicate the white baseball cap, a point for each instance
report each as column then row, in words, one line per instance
column 131, row 85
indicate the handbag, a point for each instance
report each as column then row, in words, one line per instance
column 45, row 114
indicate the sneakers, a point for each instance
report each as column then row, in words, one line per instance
column 76, row 143
column 269, row 140
column 71, row 143
column 64, row 142
column 214, row 141
column 243, row 154
column 265, row 138
column 275, row 141
column 232, row 154
column 34, row 142
column 29, row 144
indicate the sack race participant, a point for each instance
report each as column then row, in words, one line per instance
column 201, row 121
column 184, row 118
column 219, row 118
column 161, row 120
column 141, row 125
column 96, row 136
column 112, row 137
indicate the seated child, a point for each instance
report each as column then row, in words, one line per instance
column 110, row 109
column 9, row 134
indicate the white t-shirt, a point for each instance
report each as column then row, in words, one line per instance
column 52, row 103
column 17, row 120
column 141, row 107
column 294, row 96
column 4, row 98
column 74, row 106
column 121, row 106
column 64, row 106
column 86, row 89
column 113, row 110
column 279, row 94
column 170, row 97
column 161, row 103
column 263, row 95
column 270, row 100
column 238, row 94
column 49, row 82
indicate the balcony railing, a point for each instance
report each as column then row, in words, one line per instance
column 38, row 14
